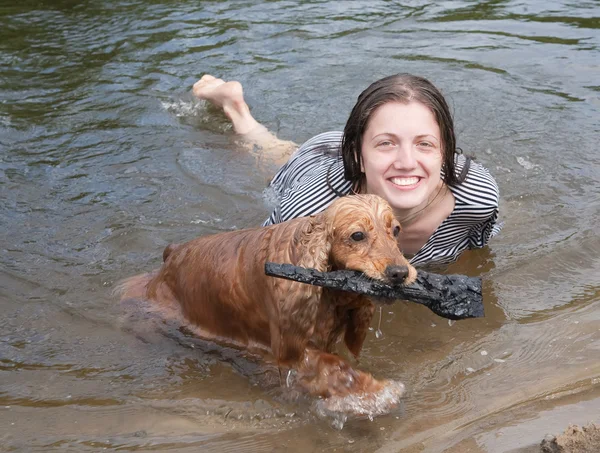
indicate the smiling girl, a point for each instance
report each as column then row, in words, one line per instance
column 398, row 143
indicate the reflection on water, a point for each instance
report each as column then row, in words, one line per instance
column 105, row 158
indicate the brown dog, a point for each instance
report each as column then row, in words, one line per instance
column 219, row 284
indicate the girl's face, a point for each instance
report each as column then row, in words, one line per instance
column 402, row 155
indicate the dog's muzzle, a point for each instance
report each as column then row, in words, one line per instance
column 396, row 274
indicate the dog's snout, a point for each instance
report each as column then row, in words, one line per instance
column 396, row 274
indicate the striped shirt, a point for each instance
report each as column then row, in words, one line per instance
column 303, row 185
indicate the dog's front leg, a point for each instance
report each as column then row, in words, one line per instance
column 359, row 320
column 326, row 375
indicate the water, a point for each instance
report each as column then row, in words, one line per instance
column 105, row 158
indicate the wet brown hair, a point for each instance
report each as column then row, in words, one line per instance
column 402, row 88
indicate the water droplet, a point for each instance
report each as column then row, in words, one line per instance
column 378, row 333
column 289, row 380
column 338, row 423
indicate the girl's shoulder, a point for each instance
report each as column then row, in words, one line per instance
column 330, row 139
column 321, row 151
column 310, row 181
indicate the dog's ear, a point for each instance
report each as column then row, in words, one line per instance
column 297, row 303
column 312, row 242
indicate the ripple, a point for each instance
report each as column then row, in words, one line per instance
column 552, row 92
column 106, row 157
column 47, row 403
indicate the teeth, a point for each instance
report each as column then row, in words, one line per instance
column 405, row 181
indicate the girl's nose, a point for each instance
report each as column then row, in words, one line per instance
column 405, row 158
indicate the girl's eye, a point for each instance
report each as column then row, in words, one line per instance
column 385, row 144
column 396, row 231
column 358, row 236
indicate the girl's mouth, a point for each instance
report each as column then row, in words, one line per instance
column 408, row 182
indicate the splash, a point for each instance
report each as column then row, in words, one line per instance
column 526, row 164
column 184, row 107
column 198, row 113
column 369, row 405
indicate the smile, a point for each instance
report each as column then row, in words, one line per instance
column 406, row 183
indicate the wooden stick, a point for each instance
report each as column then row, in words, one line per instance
column 449, row 296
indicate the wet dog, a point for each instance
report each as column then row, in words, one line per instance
column 218, row 283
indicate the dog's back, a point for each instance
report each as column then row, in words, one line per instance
column 218, row 282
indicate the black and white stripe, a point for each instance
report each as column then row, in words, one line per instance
column 301, row 188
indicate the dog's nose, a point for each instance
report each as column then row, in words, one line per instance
column 396, row 274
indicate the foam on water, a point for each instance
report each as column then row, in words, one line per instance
column 369, row 405
column 184, row 107
column 198, row 113
column 526, row 163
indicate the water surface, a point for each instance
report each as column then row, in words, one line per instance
column 105, row 158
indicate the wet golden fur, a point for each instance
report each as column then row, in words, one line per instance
column 220, row 285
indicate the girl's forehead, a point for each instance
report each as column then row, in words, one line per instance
column 403, row 118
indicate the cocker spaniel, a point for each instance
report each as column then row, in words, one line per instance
column 218, row 283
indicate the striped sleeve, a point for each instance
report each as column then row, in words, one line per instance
column 484, row 195
column 478, row 197
column 308, row 182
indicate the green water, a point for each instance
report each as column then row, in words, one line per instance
column 105, row 158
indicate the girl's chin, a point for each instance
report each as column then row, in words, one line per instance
column 399, row 209
column 408, row 201
column 403, row 205
column 404, row 200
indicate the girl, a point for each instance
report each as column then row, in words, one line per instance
column 398, row 143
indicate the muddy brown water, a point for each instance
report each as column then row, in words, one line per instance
column 105, row 158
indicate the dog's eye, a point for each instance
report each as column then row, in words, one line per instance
column 358, row 236
column 396, row 231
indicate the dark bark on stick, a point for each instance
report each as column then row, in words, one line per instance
column 449, row 296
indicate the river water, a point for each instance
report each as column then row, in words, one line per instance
column 105, row 158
